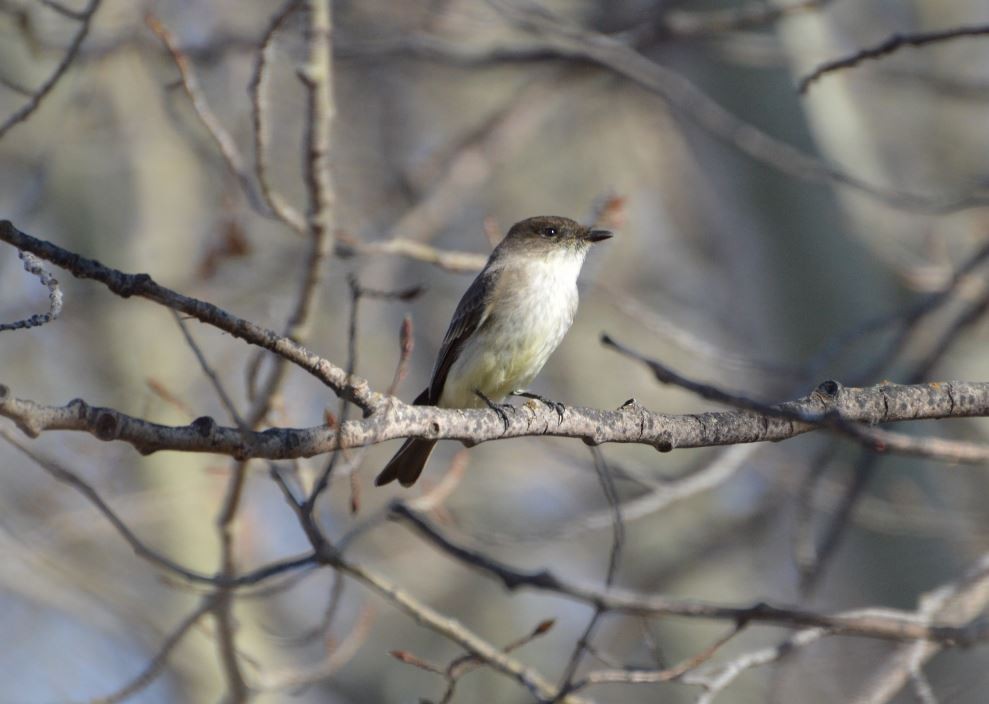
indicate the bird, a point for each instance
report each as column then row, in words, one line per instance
column 507, row 324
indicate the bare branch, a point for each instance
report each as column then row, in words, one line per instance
column 629, row 424
column 884, row 624
column 221, row 137
column 158, row 662
column 66, row 476
column 85, row 18
column 692, row 24
column 210, row 373
column 317, row 77
column 459, row 262
column 874, row 439
column 458, row 633
column 32, row 265
column 557, row 38
column 891, row 44
column 142, row 285
column 259, row 110
column 960, row 602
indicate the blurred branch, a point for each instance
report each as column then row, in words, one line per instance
column 692, row 24
column 259, row 109
column 84, row 18
column 475, row 160
column 459, row 262
column 32, row 265
column 467, row 663
column 210, row 373
column 292, row 678
column 221, row 137
column 559, row 39
column 813, row 559
column 316, row 76
column 669, row 674
column 884, row 624
column 422, row 613
column 661, row 494
column 583, row 645
column 67, row 476
column 158, row 662
column 888, row 46
column 904, row 323
column 716, row 679
column 490, row 654
column 958, row 602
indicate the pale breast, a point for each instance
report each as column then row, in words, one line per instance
column 535, row 305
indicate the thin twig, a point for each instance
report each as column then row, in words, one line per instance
column 259, row 107
column 685, row 24
column 891, row 44
column 225, row 143
column 160, row 659
column 614, row 560
column 66, row 476
column 142, row 285
column 316, row 76
column 563, row 40
column 885, row 624
column 210, row 373
column 85, row 19
column 670, row 674
column 32, row 265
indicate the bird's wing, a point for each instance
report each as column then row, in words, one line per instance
column 472, row 312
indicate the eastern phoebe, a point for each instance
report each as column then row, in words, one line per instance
column 506, row 326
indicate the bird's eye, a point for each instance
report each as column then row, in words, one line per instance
column 549, row 232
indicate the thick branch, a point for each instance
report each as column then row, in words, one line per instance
column 631, row 423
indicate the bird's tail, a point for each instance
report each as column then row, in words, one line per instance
column 408, row 462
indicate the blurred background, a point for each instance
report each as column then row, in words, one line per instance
column 761, row 261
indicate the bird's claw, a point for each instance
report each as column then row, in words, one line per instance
column 499, row 408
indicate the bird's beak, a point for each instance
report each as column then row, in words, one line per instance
column 598, row 235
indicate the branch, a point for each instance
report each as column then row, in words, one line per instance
column 85, row 18
column 888, row 46
column 221, row 137
column 449, row 260
column 958, row 602
column 685, row 24
column 160, row 659
column 558, row 39
column 630, row 423
column 884, row 624
column 259, row 113
column 425, row 615
column 872, row 438
column 33, row 266
column 830, row 405
column 142, row 285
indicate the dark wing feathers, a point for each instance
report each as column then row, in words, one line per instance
column 471, row 314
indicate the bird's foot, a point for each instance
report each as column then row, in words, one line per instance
column 499, row 408
column 555, row 405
